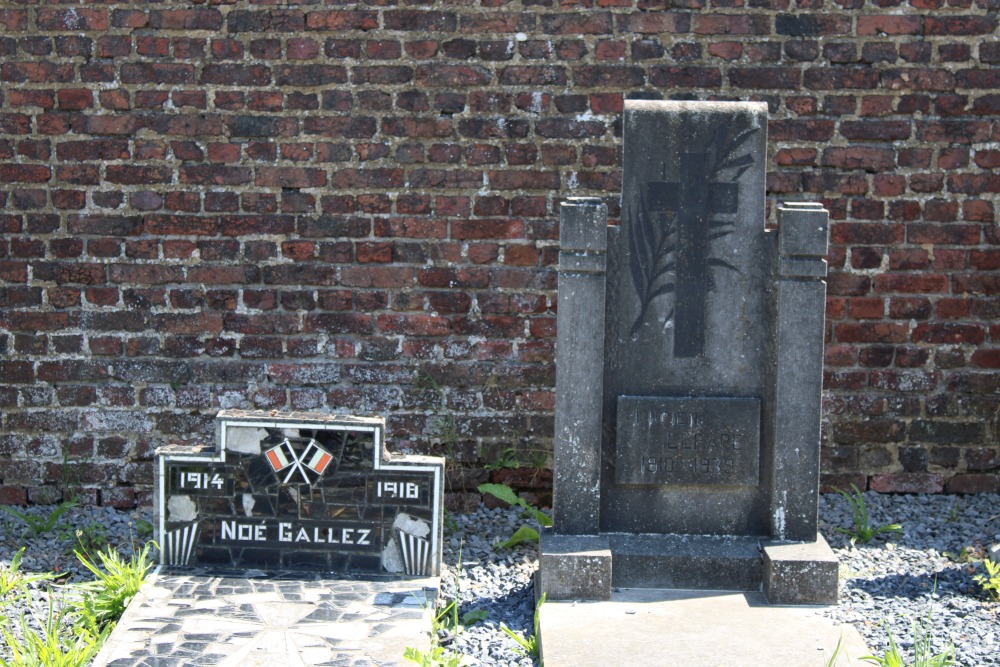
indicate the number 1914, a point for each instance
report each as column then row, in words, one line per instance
column 200, row 481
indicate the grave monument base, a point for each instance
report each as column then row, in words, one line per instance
column 590, row 567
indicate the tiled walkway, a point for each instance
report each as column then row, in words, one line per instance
column 251, row 619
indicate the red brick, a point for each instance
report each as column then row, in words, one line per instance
column 882, row 24
column 290, row 177
column 949, row 334
column 911, row 283
column 414, row 325
column 973, row 483
column 959, row 25
column 908, row 482
column 868, row 332
column 341, row 20
column 577, row 23
column 75, row 19
column 24, row 173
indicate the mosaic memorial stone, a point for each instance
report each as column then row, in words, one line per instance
column 300, row 490
column 689, row 371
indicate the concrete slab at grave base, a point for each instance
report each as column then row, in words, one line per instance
column 575, row 567
column 654, row 628
column 800, row 572
column 588, row 567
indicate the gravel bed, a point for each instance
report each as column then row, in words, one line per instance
column 919, row 576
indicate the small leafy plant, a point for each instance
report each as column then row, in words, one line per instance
column 862, row 531
column 922, row 652
column 506, row 459
column 507, row 495
column 14, row 583
column 143, row 528
column 990, row 582
column 52, row 645
column 91, row 537
column 529, row 646
column 40, row 525
column 448, row 623
column 435, row 657
column 116, row 582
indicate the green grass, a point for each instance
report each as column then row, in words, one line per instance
column 14, row 583
column 922, row 652
column 80, row 616
column 530, row 646
column 863, row 531
column 435, row 657
column 55, row 645
column 116, row 582
column 39, row 525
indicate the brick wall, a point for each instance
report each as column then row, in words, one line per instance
column 353, row 206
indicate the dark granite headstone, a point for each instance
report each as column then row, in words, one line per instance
column 694, row 339
column 300, row 490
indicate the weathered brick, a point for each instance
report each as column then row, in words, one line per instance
column 235, row 75
column 685, row 77
column 423, row 20
column 275, row 20
column 811, row 24
column 765, row 77
column 82, row 18
column 309, row 75
column 574, row 23
column 881, row 24
column 908, row 482
column 341, row 20
column 452, row 75
column 839, row 78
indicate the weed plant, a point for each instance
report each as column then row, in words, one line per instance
column 435, row 657
column 78, row 624
column 37, row 526
column 144, row 529
column 116, row 582
column 448, row 623
column 529, row 646
column 92, row 537
column 990, row 582
column 923, row 655
column 54, row 645
column 14, row 583
column 863, row 531
column 507, row 495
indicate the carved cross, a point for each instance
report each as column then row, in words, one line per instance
column 693, row 199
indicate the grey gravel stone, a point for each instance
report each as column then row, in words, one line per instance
column 886, row 586
column 918, row 576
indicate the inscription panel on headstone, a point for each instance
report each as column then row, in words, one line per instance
column 302, row 490
column 700, row 441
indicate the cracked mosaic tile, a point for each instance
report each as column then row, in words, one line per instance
column 233, row 622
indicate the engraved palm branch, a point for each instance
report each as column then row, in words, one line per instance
column 652, row 248
column 723, row 157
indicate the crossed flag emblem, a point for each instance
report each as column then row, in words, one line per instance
column 284, row 458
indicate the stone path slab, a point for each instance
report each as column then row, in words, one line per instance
column 655, row 628
column 251, row 619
